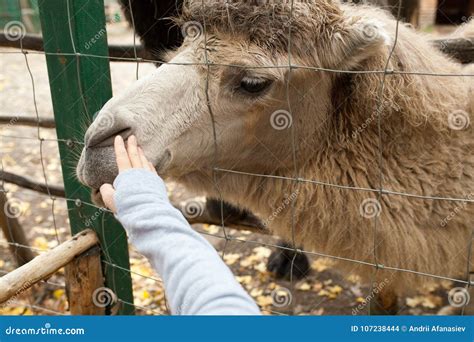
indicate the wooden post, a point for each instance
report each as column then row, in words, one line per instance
column 80, row 86
column 85, row 284
column 41, row 267
column 13, row 232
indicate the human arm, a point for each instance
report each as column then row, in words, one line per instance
column 197, row 282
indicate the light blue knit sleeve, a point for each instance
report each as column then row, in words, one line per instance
column 197, row 282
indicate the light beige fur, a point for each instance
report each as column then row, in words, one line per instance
column 334, row 131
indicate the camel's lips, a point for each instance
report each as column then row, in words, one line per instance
column 98, row 167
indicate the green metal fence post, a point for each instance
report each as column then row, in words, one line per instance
column 80, row 86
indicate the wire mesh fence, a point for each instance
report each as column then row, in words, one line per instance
column 283, row 119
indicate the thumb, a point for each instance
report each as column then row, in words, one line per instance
column 107, row 192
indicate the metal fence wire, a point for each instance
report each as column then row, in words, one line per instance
column 296, row 180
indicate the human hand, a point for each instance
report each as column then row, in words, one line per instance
column 130, row 157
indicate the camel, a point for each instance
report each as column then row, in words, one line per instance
column 308, row 148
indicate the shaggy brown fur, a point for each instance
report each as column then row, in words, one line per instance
column 421, row 154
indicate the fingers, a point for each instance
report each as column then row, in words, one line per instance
column 130, row 156
column 107, row 192
column 143, row 160
column 133, row 155
column 152, row 168
column 146, row 164
column 121, row 155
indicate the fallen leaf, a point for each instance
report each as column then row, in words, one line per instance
column 304, row 286
column 59, row 293
column 336, row 289
column 231, row 258
column 262, row 252
column 264, row 301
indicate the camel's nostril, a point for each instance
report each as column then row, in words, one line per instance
column 104, row 139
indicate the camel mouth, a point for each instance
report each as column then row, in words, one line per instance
column 96, row 197
column 108, row 140
column 97, row 166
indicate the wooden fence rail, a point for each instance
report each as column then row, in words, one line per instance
column 461, row 49
column 72, row 253
column 34, row 42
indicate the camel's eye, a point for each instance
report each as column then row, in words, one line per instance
column 254, row 85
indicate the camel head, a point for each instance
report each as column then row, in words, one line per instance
column 226, row 97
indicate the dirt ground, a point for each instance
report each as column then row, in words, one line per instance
column 325, row 291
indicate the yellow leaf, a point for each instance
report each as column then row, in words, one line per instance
column 256, row 292
column 211, row 229
column 432, row 301
column 323, row 293
column 414, row 302
column 41, row 243
column 27, row 312
column 58, row 293
column 244, row 279
column 261, row 267
column 354, row 278
column 272, row 286
column 264, row 300
column 230, row 258
column 321, row 264
column 250, row 260
column 304, row 287
column 336, row 289
column 262, row 252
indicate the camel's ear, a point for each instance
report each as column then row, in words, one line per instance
column 358, row 39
